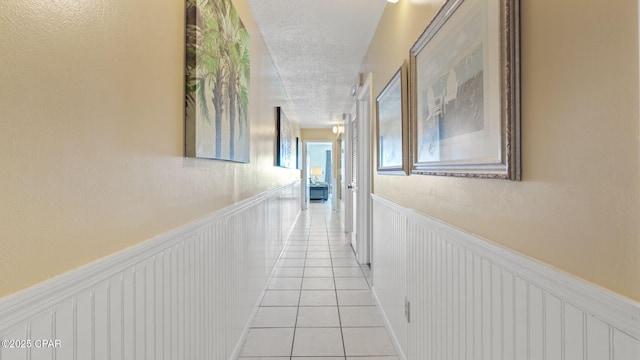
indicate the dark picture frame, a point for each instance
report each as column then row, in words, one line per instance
column 285, row 141
column 298, row 147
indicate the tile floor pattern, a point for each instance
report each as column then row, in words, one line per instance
column 318, row 304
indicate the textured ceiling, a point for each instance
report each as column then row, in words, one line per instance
column 317, row 47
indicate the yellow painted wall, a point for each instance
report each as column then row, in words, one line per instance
column 92, row 133
column 578, row 206
column 318, row 135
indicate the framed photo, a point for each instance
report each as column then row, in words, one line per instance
column 298, row 147
column 465, row 111
column 285, row 144
column 392, row 125
column 216, row 82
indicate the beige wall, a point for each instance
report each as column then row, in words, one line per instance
column 92, row 134
column 578, row 206
column 318, row 135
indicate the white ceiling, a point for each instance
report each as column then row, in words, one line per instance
column 317, row 47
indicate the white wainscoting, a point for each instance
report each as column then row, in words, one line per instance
column 187, row 294
column 471, row 299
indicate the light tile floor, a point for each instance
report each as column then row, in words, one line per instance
column 318, row 305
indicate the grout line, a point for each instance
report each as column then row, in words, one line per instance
column 295, row 326
column 309, row 224
column 304, row 268
column 335, row 291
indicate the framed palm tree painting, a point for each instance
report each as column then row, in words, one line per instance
column 216, row 82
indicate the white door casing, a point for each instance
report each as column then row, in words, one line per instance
column 305, row 178
column 365, row 102
column 353, row 183
column 349, row 224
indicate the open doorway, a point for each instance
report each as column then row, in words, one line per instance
column 320, row 170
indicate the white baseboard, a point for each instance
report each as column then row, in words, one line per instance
column 473, row 299
column 186, row 294
column 243, row 337
column 388, row 325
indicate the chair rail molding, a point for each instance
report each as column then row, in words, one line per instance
column 187, row 294
column 473, row 299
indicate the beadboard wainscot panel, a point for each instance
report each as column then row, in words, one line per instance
column 389, row 272
column 472, row 299
column 187, row 294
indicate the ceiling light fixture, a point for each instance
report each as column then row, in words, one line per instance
column 393, row 1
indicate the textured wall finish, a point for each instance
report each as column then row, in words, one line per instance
column 578, row 205
column 470, row 299
column 317, row 47
column 92, row 133
column 187, row 294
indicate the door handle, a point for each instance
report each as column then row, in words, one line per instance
column 349, row 186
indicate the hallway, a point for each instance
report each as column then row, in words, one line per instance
column 318, row 304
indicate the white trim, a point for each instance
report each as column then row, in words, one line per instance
column 469, row 296
column 348, row 193
column 264, row 221
column 243, row 337
column 304, row 198
column 387, row 325
column 365, row 113
column 306, row 165
column 616, row 310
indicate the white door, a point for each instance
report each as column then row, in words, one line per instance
column 358, row 202
column 363, row 170
column 343, row 172
column 353, row 182
column 305, row 178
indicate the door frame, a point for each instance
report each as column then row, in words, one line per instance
column 365, row 115
column 304, row 177
column 305, row 169
column 348, row 198
column 304, row 180
column 361, row 112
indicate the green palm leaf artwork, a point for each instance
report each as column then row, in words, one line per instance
column 216, row 81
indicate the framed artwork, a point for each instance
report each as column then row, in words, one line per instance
column 298, row 147
column 392, row 125
column 285, row 144
column 465, row 113
column 216, row 82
